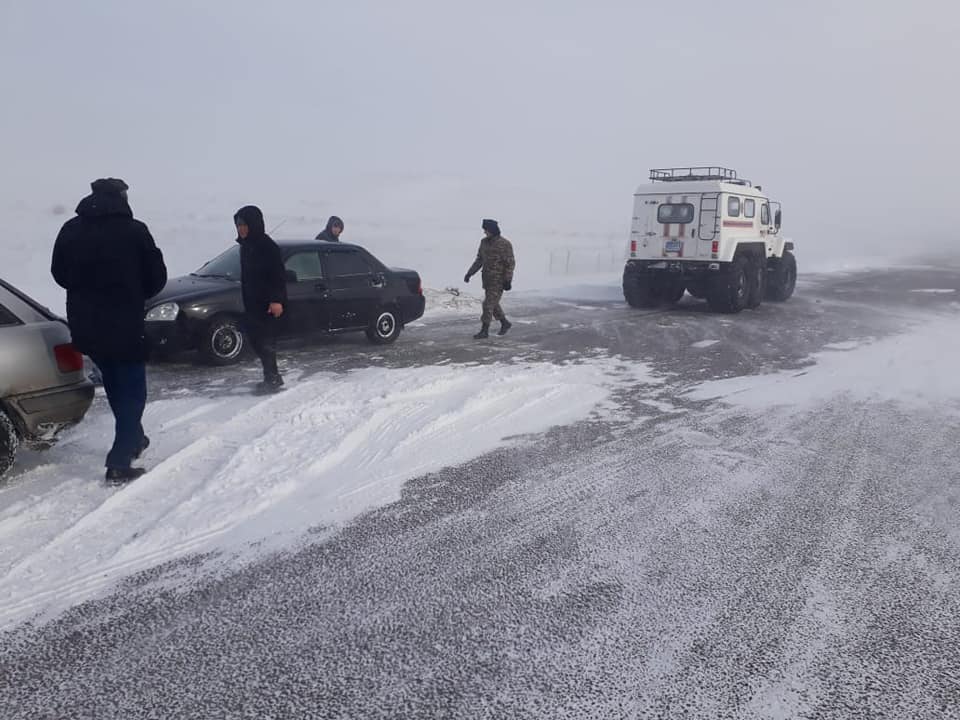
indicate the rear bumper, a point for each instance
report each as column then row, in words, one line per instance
column 41, row 415
column 676, row 267
column 413, row 307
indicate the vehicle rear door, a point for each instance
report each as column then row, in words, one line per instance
column 356, row 284
column 308, row 308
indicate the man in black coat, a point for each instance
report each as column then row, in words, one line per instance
column 109, row 265
column 332, row 232
column 264, row 286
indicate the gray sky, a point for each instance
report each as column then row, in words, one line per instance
column 544, row 113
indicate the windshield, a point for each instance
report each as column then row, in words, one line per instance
column 224, row 265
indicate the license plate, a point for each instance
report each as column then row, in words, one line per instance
column 673, row 246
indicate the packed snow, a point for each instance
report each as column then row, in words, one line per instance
column 249, row 474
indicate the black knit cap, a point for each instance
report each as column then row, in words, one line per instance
column 491, row 226
column 109, row 186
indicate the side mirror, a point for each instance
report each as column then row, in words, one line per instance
column 291, row 275
column 777, row 218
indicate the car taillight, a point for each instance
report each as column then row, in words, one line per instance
column 68, row 359
column 633, row 247
column 715, row 248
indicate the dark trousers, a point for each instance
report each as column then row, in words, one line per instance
column 491, row 304
column 126, row 386
column 262, row 331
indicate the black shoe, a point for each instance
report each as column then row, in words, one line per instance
column 270, row 384
column 121, row 476
column 505, row 326
column 484, row 332
column 144, row 444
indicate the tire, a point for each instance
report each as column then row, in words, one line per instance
column 639, row 292
column 384, row 327
column 672, row 291
column 9, row 442
column 782, row 278
column 728, row 293
column 758, row 282
column 223, row 341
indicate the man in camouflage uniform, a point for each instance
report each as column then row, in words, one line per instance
column 495, row 256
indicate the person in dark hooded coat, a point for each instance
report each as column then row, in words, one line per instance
column 264, row 288
column 332, row 232
column 109, row 265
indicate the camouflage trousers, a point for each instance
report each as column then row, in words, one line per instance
column 491, row 304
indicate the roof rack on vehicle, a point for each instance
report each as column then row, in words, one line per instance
column 687, row 174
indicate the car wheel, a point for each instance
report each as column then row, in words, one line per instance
column 9, row 442
column 672, row 291
column 384, row 328
column 728, row 293
column 782, row 278
column 757, row 280
column 223, row 341
column 639, row 292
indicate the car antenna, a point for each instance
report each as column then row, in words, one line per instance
column 274, row 229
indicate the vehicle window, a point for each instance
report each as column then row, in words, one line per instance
column 733, row 206
column 347, row 263
column 765, row 214
column 675, row 213
column 749, row 208
column 306, row 265
column 225, row 265
column 7, row 317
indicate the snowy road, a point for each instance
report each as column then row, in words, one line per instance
column 752, row 516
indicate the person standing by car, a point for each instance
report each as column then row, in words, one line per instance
column 264, row 287
column 332, row 232
column 495, row 257
column 109, row 265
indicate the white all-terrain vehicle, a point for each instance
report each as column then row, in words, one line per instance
column 705, row 231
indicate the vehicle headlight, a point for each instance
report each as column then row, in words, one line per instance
column 167, row 312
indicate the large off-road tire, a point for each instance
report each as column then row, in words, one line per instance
column 640, row 291
column 782, row 277
column 757, row 277
column 384, row 327
column 672, row 290
column 223, row 340
column 9, row 442
column 728, row 293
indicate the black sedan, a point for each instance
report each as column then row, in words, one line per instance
column 331, row 288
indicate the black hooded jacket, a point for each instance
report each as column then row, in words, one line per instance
column 109, row 265
column 262, row 277
column 327, row 233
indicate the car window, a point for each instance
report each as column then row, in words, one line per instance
column 749, row 208
column 351, row 262
column 7, row 317
column 733, row 206
column 19, row 307
column 305, row 265
column 225, row 265
column 765, row 214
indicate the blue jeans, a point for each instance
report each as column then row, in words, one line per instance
column 126, row 387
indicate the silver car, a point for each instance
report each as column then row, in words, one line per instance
column 43, row 385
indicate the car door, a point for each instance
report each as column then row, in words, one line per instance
column 355, row 284
column 307, row 293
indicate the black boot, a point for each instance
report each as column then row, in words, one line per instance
column 144, row 444
column 505, row 326
column 484, row 332
column 121, row 476
column 271, row 383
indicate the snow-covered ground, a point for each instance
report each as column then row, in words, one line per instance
column 248, row 474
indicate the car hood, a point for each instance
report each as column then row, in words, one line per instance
column 192, row 287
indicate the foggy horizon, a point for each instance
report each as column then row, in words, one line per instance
column 544, row 115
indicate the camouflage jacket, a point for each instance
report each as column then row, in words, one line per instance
column 495, row 256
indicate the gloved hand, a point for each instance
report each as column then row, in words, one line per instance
column 507, row 285
column 466, row 278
